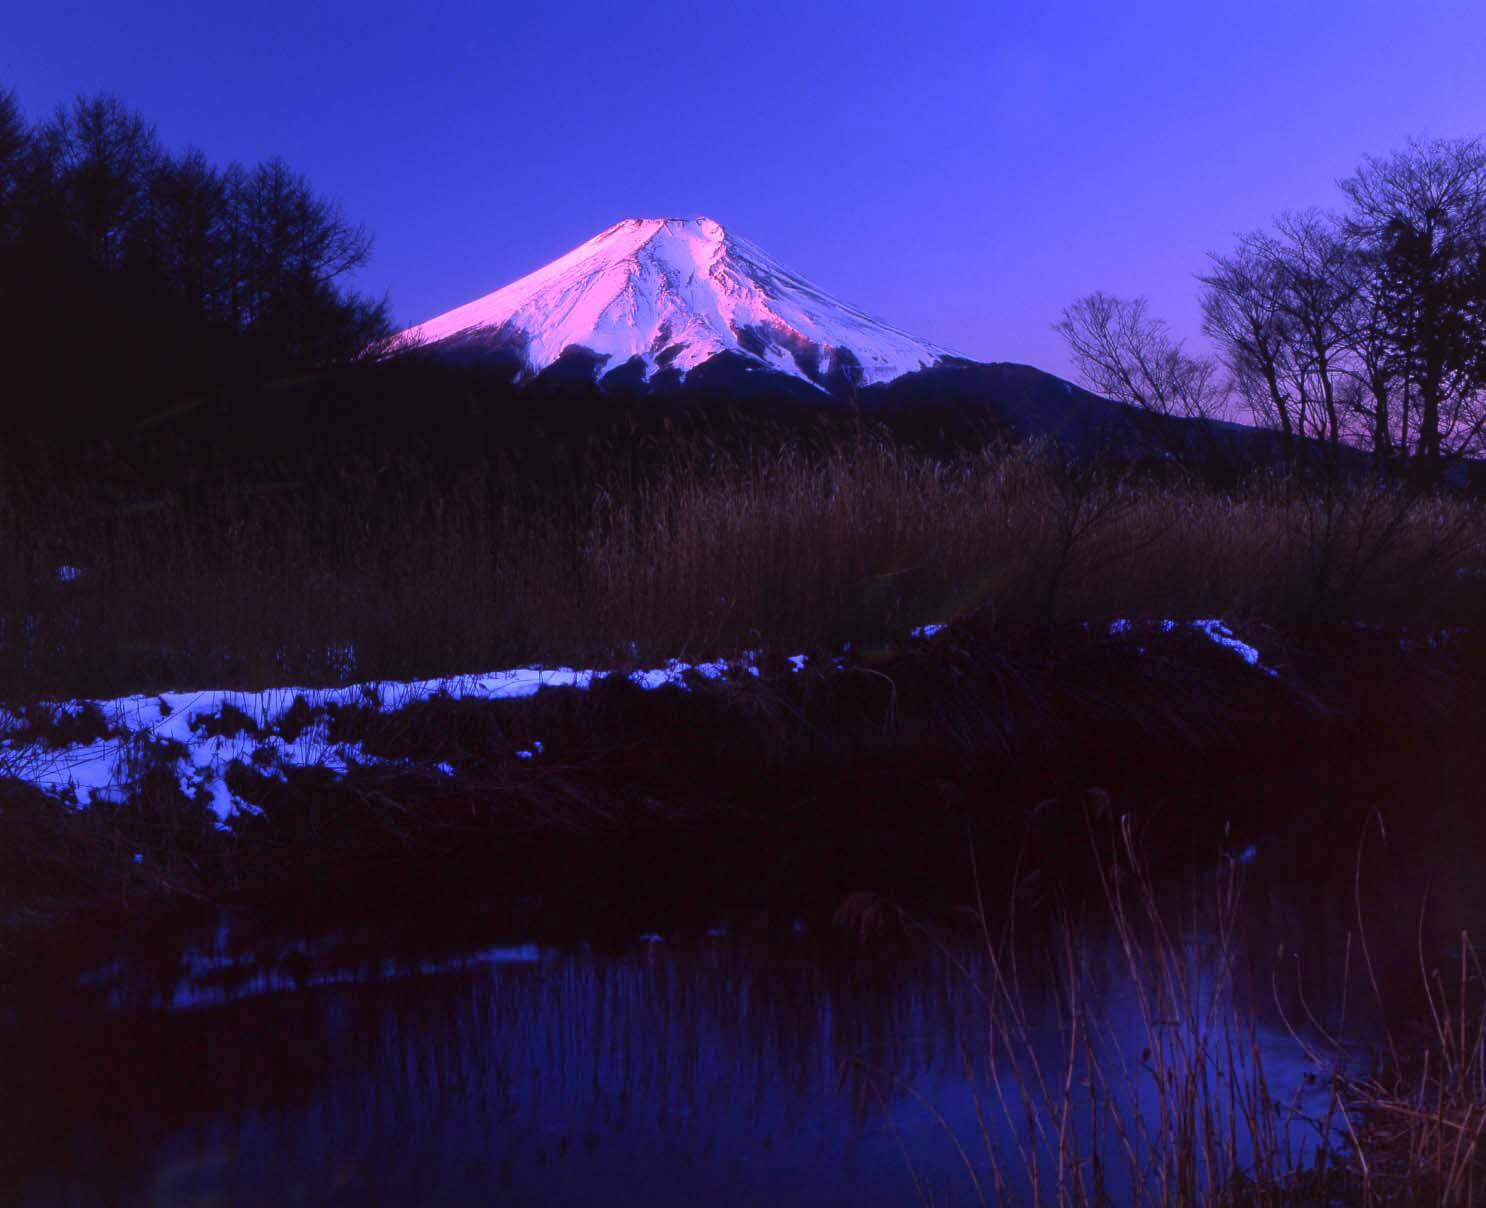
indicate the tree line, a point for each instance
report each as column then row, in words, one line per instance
column 1364, row 326
column 132, row 277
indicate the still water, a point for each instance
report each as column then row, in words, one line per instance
column 795, row 1068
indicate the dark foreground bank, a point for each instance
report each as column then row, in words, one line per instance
column 985, row 749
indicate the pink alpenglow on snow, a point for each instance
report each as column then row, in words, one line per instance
column 676, row 292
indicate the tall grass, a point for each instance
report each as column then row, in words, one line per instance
column 1173, row 1107
column 394, row 570
column 1159, row 1087
column 1423, row 1112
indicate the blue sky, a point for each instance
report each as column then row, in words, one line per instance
column 962, row 170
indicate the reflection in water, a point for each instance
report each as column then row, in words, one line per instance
column 719, row 1071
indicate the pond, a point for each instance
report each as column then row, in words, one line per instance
column 796, row 1065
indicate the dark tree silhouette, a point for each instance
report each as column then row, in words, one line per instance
column 1242, row 311
column 1124, row 353
column 1422, row 214
column 1369, row 326
column 1318, row 283
column 102, row 159
column 13, row 144
column 291, row 246
column 132, row 278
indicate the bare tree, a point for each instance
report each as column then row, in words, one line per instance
column 1318, row 279
column 1319, row 322
column 1421, row 213
column 1243, row 311
column 1377, row 396
column 1123, row 353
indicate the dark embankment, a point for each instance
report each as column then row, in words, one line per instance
column 1009, row 749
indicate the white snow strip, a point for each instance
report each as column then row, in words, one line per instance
column 145, row 730
column 1217, row 631
column 108, row 769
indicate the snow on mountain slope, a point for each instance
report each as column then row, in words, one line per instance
column 676, row 292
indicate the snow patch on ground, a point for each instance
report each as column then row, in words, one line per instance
column 174, row 729
column 1215, row 629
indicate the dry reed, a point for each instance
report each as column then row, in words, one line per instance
column 396, row 571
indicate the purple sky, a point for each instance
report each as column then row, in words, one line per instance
column 961, row 170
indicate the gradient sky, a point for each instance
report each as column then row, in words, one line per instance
column 961, row 170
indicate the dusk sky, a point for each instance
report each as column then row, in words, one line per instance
column 961, row 170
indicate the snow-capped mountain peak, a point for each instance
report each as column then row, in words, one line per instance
column 675, row 292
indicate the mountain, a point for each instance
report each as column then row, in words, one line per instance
column 659, row 317
column 659, row 297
